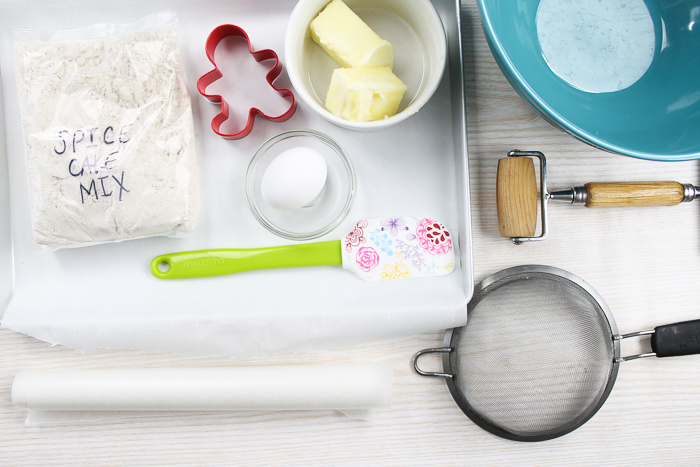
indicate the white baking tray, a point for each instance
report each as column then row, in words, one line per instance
column 104, row 296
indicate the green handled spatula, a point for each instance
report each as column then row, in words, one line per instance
column 376, row 249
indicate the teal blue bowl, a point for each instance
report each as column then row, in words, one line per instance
column 621, row 75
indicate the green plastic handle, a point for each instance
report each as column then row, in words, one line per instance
column 205, row 263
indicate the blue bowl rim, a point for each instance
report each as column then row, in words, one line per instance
column 566, row 125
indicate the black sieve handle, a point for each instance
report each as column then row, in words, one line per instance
column 676, row 339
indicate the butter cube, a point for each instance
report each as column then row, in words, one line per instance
column 348, row 39
column 364, row 94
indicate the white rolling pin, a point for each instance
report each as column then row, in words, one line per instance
column 292, row 387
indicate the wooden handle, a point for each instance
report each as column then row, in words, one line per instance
column 516, row 197
column 627, row 194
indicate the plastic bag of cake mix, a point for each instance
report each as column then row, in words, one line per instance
column 108, row 133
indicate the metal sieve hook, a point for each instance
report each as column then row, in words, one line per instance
column 427, row 351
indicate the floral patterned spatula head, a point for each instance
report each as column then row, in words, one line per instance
column 398, row 248
column 376, row 250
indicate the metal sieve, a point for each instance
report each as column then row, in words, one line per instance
column 540, row 353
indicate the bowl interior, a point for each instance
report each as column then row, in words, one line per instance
column 327, row 211
column 619, row 74
column 412, row 27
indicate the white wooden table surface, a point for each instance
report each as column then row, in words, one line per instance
column 644, row 262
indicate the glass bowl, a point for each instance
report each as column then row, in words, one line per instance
column 326, row 211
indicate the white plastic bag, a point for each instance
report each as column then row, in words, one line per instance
column 108, row 132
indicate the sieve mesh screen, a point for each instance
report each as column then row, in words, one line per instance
column 536, row 354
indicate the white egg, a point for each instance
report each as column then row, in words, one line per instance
column 294, row 178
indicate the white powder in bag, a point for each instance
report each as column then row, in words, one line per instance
column 109, row 138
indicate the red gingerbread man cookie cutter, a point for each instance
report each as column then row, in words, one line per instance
column 218, row 35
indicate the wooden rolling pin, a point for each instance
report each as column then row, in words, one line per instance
column 516, row 195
